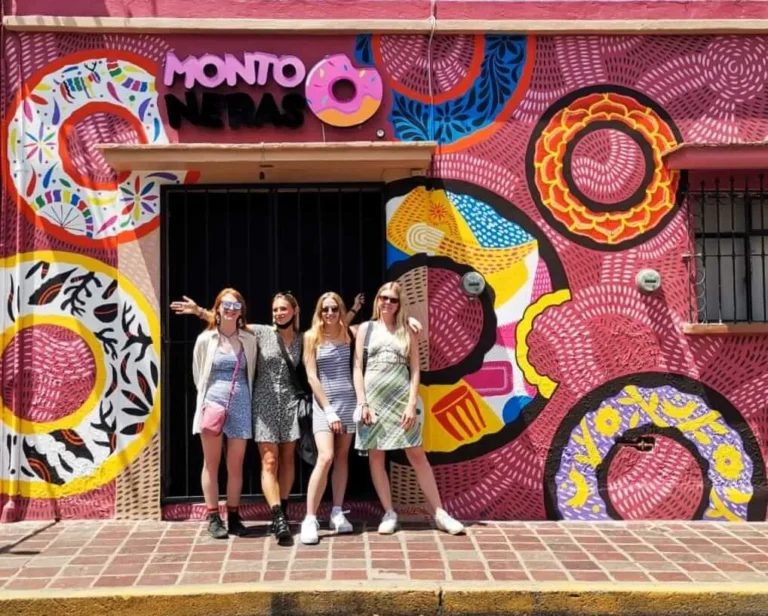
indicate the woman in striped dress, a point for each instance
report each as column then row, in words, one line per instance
column 327, row 358
column 387, row 392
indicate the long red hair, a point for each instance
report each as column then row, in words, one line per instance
column 242, row 321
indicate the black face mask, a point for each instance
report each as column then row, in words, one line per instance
column 285, row 325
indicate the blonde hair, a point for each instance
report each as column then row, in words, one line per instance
column 288, row 297
column 401, row 316
column 314, row 335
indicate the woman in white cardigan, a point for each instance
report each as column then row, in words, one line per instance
column 223, row 367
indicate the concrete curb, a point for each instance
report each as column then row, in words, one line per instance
column 398, row 598
column 593, row 599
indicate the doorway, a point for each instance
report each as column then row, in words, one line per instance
column 259, row 240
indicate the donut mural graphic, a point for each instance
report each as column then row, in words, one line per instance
column 476, row 378
column 80, row 366
column 595, row 170
column 701, row 441
column 57, row 189
column 366, row 83
column 474, row 84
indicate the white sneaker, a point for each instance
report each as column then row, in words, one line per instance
column 309, row 531
column 448, row 524
column 339, row 522
column 388, row 523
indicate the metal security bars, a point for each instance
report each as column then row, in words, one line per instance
column 259, row 240
column 727, row 266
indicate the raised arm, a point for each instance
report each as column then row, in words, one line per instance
column 353, row 312
column 189, row 306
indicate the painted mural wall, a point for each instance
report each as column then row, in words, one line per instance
column 548, row 180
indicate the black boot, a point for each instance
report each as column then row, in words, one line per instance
column 280, row 527
column 235, row 524
column 284, row 507
column 216, row 528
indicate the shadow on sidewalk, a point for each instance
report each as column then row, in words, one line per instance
column 8, row 548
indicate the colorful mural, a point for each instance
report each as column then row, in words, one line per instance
column 475, row 373
column 548, row 180
column 92, row 399
column 66, row 201
column 711, row 450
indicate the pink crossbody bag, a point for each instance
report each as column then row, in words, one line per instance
column 214, row 414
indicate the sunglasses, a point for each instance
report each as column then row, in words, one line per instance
column 388, row 299
column 330, row 309
column 231, row 305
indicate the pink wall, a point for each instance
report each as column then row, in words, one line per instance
column 542, row 377
column 397, row 9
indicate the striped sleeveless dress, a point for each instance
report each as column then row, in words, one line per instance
column 334, row 369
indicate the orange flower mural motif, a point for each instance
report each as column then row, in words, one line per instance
column 605, row 223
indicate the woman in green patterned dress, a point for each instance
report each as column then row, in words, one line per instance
column 386, row 397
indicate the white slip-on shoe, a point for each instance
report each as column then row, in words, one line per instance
column 339, row 522
column 448, row 524
column 388, row 523
column 309, row 531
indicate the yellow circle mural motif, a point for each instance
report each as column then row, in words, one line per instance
column 86, row 448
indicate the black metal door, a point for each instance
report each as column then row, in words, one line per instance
column 259, row 240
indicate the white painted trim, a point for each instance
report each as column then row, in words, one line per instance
column 390, row 153
column 47, row 23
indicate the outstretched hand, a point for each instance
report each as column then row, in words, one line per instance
column 188, row 306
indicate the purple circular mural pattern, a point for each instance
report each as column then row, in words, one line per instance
column 718, row 444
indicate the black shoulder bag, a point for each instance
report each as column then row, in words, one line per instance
column 306, row 445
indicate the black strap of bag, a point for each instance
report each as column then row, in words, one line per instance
column 297, row 385
column 303, row 396
column 366, row 342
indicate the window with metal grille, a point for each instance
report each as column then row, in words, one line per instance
column 728, row 264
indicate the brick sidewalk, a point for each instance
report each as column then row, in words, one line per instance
column 87, row 554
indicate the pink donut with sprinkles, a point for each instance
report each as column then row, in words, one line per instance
column 321, row 101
